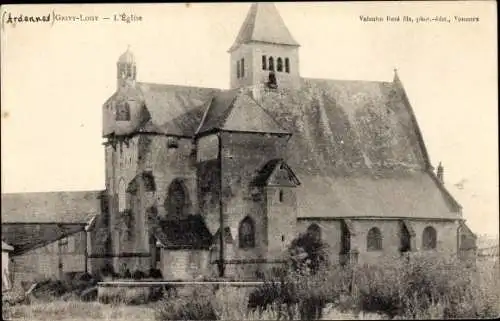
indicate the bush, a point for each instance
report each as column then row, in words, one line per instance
column 138, row 275
column 194, row 305
column 108, row 271
column 307, row 254
column 423, row 287
column 155, row 274
column 427, row 286
column 126, row 274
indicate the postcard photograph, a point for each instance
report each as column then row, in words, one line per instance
column 250, row 161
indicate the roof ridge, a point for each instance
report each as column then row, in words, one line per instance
column 177, row 86
column 348, row 80
column 204, row 115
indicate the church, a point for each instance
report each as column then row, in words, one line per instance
column 218, row 182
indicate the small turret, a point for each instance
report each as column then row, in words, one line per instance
column 126, row 68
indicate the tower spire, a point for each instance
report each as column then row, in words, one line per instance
column 264, row 24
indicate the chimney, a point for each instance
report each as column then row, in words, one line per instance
column 439, row 173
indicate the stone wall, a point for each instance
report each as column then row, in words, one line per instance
column 281, row 219
column 244, row 155
column 43, row 262
column 391, row 237
column 184, row 264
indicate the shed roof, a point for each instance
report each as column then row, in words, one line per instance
column 189, row 233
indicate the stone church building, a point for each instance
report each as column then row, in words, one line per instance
column 200, row 180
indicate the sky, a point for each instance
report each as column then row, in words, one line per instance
column 55, row 78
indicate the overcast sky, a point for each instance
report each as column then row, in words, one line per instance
column 56, row 78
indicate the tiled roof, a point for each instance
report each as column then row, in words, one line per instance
column 175, row 110
column 234, row 111
column 412, row 195
column 263, row 23
column 189, row 233
column 346, row 126
column 50, row 207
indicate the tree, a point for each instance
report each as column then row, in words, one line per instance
column 308, row 253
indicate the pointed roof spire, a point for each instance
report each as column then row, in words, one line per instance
column 440, row 172
column 127, row 56
column 264, row 24
column 396, row 76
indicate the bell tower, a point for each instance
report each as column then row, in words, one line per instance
column 264, row 52
column 126, row 69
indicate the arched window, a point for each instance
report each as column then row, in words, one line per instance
column 279, row 64
column 281, row 196
column 374, row 240
column 238, row 69
column 264, row 62
column 176, row 203
column 271, row 63
column 123, row 112
column 429, row 237
column 122, row 195
column 287, row 65
column 246, row 233
column 315, row 231
column 242, row 67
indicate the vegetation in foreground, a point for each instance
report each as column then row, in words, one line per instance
column 424, row 286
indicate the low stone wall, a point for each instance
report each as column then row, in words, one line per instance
column 141, row 291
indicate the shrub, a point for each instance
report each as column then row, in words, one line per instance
column 192, row 305
column 138, row 275
column 126, row 274
column 425, row 286
column 108, row 271
column 307, row 254
column 155, row 274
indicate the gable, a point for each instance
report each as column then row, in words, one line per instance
column 276, row 173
